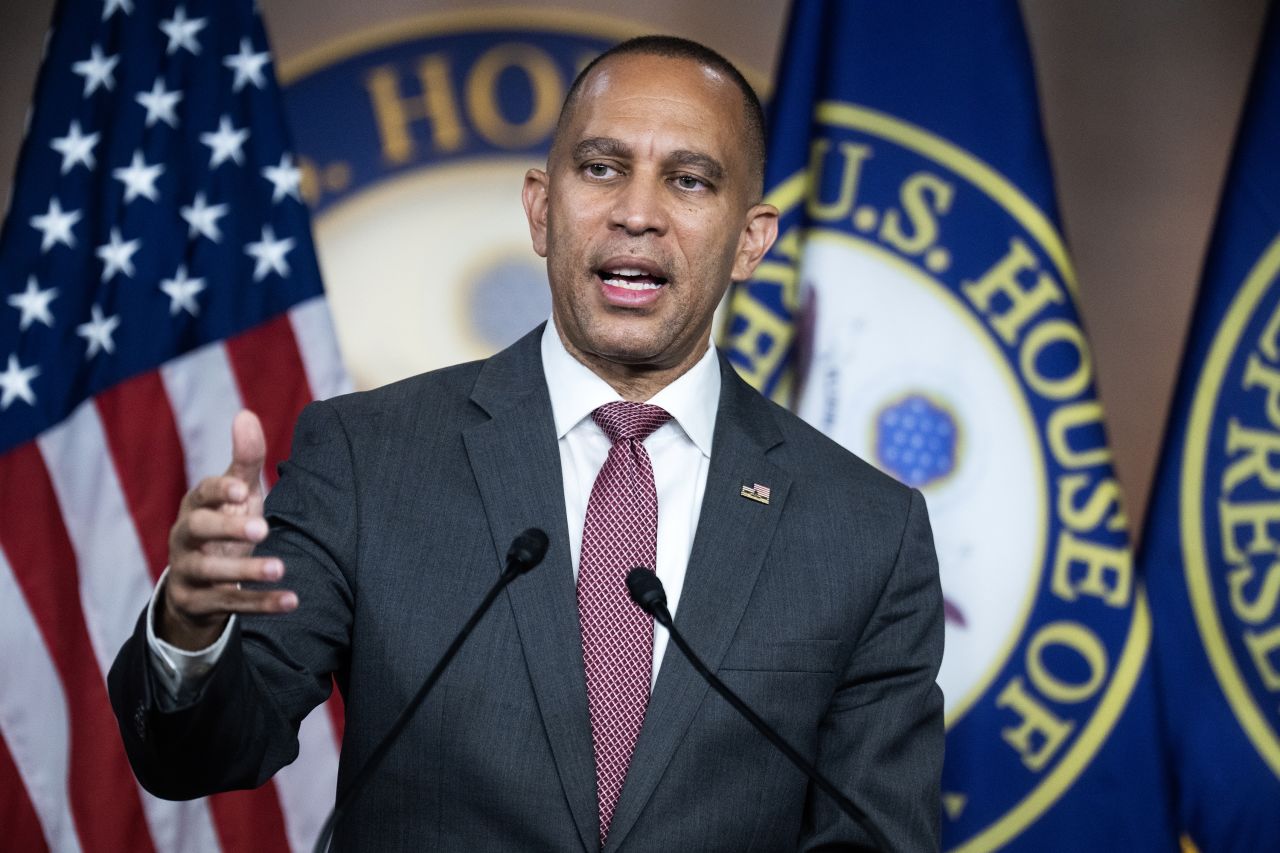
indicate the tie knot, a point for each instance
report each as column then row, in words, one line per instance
column 626, row 421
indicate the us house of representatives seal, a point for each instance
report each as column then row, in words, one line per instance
column 938, row 339
column 1229, row 506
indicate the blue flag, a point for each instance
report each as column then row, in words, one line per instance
column 919, row 308
column 1213, row 535
column 156, row 275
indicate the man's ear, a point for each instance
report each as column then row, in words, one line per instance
column 757, row 236
column 534, row 196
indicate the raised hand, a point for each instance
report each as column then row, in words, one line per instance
column 210, row 547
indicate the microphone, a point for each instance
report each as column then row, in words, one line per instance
column 646, row 591
column 526, row 551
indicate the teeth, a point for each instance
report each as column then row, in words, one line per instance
column 632, row 285
column 627, row 271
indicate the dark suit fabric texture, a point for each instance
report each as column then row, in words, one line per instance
column 822, row 609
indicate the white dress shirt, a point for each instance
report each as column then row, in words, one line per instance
column 679, row 449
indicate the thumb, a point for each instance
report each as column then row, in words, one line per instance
column 248, row 449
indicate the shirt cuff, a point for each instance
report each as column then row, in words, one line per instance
column 180, row 671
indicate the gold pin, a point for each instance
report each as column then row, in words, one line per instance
column 756, row 492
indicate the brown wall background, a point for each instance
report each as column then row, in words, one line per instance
column 1140, row 100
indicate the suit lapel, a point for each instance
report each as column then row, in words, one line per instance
column 516, row 462
column 732, row 538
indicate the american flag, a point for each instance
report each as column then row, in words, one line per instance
column 157, row 275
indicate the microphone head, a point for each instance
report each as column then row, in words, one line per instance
column 646, row 590
column 527, row 550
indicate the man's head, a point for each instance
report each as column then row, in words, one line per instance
column 649, row 207
column 671, row 47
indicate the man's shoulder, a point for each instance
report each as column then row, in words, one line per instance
column 811, row 455
column 454, row 388
column 425, row 406
column 455, row 381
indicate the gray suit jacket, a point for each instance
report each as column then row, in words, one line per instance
column 822, row 609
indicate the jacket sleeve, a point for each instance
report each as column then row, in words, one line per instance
column 882, row 738
column 241, row 725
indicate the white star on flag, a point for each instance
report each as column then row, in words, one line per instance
column 225, row 143
column 15, row 383
column 284, row 178
column 97, row 70
column 34, row 304
column 76, row 148
column 98, row 332
column 248, row 66
column 117, row 256
column 109, row 7
column 55, row 226
column 182, row 292
column 269, row 254
column 182, row 32
column 139, row 178
column 160, row 104
column 203, row 218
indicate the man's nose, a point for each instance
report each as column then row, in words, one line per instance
column 640, row 206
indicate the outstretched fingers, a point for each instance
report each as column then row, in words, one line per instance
column 198, row 602
column 216, row 491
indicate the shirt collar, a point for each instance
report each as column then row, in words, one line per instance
column 576, row 392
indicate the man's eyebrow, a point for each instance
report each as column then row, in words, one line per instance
column 601, row 146
column 608, row 146
column 699, row 162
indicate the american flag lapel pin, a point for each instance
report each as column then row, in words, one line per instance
column 756, row 492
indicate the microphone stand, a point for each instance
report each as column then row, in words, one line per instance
column 647, row 592
column 526, row 552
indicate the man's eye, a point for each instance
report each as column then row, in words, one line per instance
column 599, row 170
column 689, row 182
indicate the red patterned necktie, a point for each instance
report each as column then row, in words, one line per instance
column 620, row 532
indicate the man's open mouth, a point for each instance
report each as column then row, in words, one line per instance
column 631, row 278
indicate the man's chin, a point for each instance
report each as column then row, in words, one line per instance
column 642, row 356
column 624, row 337
column 631, row 340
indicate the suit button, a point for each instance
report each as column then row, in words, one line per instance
column 140, row 721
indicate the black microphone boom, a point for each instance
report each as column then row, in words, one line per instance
column 526, row 551
column 647, row 592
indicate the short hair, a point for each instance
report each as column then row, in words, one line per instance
column 680, row 48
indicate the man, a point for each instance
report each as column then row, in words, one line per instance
column 811, row 583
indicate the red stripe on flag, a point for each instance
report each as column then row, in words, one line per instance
column 146, row 448
column 19, row 826
column 250, row 821
column 272, row 382
column 337, row 713
column 104, row 796
column 144, row 444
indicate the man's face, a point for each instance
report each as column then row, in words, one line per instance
column 645, row 212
